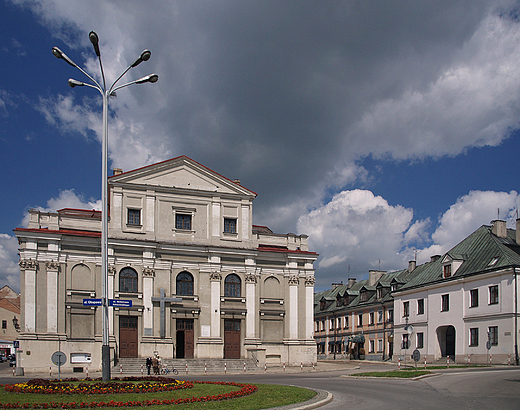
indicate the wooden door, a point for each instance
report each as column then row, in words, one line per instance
column 185, row 339
column 128, row 337
column 231, row 339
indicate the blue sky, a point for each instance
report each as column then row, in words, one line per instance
column 383, row 130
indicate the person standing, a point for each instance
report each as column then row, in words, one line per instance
column 148, row 364
column 155, row 365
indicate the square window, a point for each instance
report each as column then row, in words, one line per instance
column 420, row 307
column 473, row 336
column 493, row 335
column 183, row 221
column 493, row 295
column 445, row 303
column 420, row 340
column 406, row 309
column 134, row 217
column 230, row 225
column 473, row 298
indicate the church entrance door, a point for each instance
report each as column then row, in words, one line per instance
column 184, row 339
column 128, row 336
column 231, row 339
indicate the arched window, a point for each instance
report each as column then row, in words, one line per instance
column 185, row 283
column 128, row 280
column 232, row 286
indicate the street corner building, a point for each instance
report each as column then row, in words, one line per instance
column 190, row 276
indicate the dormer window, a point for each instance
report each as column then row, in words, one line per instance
column 446, row 271
column 393, row 287
column 363, row 296
column 493, row 261
column 380, row 293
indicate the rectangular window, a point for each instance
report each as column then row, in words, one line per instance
column 339, row 322
column 473, row 298
column 420, row 307
column 4, row 324
column 183, row 221
column 406, row 309
column 323, row 325
column 331, row 324
column 346, row 322
column 493, row 335
column 390, row 315
column 230, row 225
column 473, row 336
column 371, row 319
column 445, row 303
column 379, row 316
column 420, row 340
column 371, row 346
column 134, row 217
column 380, row 345
column 447, row 271
column 360, row 319
column 493, row 295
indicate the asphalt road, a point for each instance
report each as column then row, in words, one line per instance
column 479, row 389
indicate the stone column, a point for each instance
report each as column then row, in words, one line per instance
column 251, row 306
column 293, row 307
column 309, row 307
column 30, row 267
column 215, row 278
column 148, row 275
column 52, row 296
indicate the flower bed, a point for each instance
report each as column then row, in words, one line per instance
column 245, row 390
column 44, row 386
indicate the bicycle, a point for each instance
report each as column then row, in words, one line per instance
column 165, row 370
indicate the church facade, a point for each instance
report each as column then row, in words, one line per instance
column 190, row 276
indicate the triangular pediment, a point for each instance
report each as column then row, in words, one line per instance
column 181, row 173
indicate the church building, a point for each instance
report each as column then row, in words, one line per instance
column 190, row 276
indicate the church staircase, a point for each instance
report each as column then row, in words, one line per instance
column 132, row 366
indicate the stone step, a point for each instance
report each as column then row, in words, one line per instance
column 133, row 366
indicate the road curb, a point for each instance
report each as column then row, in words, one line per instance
column 322, row 397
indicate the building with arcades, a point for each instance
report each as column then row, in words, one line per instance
column 203, row 281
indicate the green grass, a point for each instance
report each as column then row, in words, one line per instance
column 266, row 396
column 403, row 374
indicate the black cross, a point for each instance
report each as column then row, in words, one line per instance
column 162, row 306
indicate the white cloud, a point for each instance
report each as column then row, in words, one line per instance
column 9, row 269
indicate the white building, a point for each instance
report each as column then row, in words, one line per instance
column 203, row 281
column 459, row 301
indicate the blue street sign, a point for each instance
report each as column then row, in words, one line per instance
column 120, row 303
column 16, row 344
column 92, row 302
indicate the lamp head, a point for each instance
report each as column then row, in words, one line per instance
column 62, row 56
column 75, row 83
column 94, row 39
column 151, row 78
column 145, row 56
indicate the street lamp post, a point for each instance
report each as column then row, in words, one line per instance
column 106, row 93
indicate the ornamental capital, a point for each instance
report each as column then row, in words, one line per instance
column 250, row 278
column 28, row 264
column 215, row 276
column 310, row 281
column 148, row 272
column 52, row 265
column 293, row 280
column 111, row 270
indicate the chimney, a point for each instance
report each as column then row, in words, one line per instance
column 412, row 265
column 118, row 171
column 351, row 282
column 518, row 231
column 374, row 276
column 433, row 258
column 499, row 228
column 336, row 285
